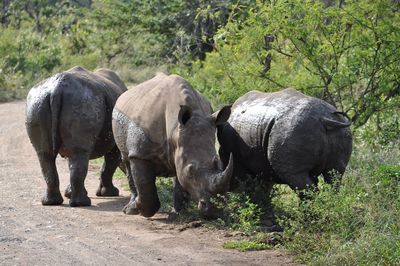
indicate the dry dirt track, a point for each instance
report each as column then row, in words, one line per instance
column 32, row 234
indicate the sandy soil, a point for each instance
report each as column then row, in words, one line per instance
column 32, row 234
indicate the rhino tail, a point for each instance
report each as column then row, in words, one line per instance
column 331, row 124
column 55, row 109
column 265, row 139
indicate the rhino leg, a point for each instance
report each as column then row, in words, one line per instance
column 131, row 208
column 78, row 167
column 39, row 132
column 146, row 202
column 68, row 191
column 111, row 162
column 180, row 196
column 52, row 195
column 302, row 182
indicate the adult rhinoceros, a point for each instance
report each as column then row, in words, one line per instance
column 285, row 137
column 70, row 114
column 163, row 127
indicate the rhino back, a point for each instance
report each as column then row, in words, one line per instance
column 292, row 109
column 39, row 98
column 102, row 81
column 282, row 127
column 298, row 141
column 79, row 104
column 154, row 105
column 254, row 111
column 244, row 134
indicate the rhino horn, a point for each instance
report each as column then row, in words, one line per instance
column 221, row 180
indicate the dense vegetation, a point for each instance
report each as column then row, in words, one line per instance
column 343, row 51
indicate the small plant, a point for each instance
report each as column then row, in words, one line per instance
column 245, row 245
column 240, row 213
column 165, row 190
column 259, row 241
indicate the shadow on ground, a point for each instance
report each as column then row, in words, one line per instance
column 109, row 204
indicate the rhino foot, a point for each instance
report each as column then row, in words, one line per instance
column 80, row 201
column 68, row 191
column 131, row 208
column 52, row 198
column 107, row 191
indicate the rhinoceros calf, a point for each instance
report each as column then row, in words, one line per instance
column 285, row 137
column 163, row 127
column 70, row 114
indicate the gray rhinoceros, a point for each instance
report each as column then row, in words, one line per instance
column 285, row 137
column 163, row 127
column 70, row 114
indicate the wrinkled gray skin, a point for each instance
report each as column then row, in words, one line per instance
column 70, row 114
column 165, row 128
column 285, row 137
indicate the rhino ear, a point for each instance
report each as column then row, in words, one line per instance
column 184, row 114
column 222, row 115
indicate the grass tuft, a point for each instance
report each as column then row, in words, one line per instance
column 245, row 245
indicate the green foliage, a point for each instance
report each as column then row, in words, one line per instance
column 24, row 59
column 165, row 190
column 258, row 241
column 246, row 245
column 241, row 213
column 382, row 131
column 136, row 38
column 358, row 225
column 35, row 44
column 346, row 54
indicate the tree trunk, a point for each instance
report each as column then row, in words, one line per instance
column 5, row 4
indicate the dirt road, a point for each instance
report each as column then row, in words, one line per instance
column 32, row 234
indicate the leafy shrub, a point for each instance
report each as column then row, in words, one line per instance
column 240, row 212
column 165, row 191
column 26, row 58
column 357, row 225
column 382, row 131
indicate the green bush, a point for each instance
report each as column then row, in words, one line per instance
column 165, row 191
column 357, row 225
column 240, row 212
column 382, row 131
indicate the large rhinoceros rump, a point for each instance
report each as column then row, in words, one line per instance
column 165, row 128
column 70, row 114
column 285, row 137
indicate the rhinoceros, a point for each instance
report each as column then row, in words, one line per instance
column 285, row 137
column 70, row 114
column 163, row 127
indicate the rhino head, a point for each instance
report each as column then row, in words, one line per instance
column 198, row 167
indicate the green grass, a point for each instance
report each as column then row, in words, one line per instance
column 245, row 245
column 257, row 241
